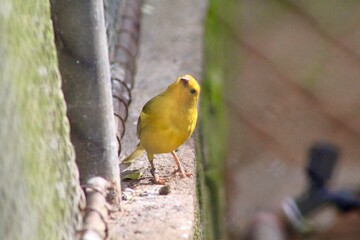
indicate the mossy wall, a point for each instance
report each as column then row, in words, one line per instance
column 39, row 193
column 219, row 60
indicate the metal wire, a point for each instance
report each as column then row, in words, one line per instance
column 123, row 30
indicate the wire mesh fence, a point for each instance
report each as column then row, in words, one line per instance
column 123, row 30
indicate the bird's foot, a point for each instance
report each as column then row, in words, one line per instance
column 182, row 173
column 156, row 179
column 159, row 180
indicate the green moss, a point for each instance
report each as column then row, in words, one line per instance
column 213, row 131
column 219, row 60
column 39, row 182
column 198, row 228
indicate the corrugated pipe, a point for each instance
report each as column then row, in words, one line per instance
column 123, row 52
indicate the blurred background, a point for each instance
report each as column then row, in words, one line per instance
column 290, row 72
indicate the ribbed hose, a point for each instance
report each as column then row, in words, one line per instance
column 123, row 37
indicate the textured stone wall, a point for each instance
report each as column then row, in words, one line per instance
column 39, row 191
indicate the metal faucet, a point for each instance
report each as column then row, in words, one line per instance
column 321, row 163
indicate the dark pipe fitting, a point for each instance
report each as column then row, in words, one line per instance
column 321, row 162
column 344, row 200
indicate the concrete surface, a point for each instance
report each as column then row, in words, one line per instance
column 171, row 45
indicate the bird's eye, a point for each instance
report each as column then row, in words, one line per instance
column 192, row 91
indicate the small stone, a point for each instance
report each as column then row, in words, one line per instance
column 164, row 190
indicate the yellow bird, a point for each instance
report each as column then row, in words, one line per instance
column 166, row 122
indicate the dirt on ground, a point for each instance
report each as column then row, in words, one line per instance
column 158, row 211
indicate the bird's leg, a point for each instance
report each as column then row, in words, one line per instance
column 153, row 171
column 180, row 168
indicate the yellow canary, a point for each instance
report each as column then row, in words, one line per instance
column 167, row 121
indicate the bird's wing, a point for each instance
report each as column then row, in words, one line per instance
column 147, row 110
column 138, row 127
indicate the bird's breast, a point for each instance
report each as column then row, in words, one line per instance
column 168, row 131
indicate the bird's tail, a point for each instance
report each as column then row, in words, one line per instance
column 135, row 154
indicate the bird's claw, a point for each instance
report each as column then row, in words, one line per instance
column 182, row 173
column 188, row 174
column 157, row 180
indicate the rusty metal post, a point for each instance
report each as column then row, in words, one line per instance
column 95, row 226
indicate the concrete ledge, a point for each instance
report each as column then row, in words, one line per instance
column 171, row 45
